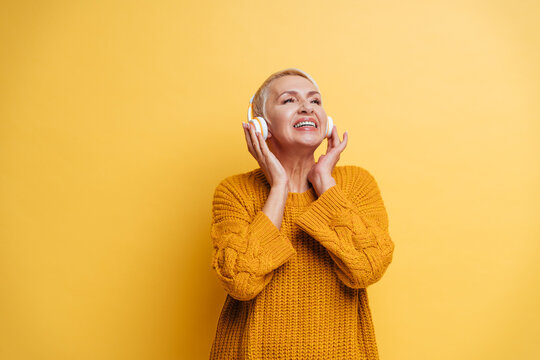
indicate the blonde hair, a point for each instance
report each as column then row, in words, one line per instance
column 260, row 97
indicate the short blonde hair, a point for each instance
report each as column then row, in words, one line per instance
column 260, row 97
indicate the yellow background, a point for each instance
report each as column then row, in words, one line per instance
column 119, row 118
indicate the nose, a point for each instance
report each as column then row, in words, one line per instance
column 306, row 107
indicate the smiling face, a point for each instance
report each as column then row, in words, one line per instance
column 292, row 99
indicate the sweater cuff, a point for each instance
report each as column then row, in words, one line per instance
column 328, row 208
column 273, row 243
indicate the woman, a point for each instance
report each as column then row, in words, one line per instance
column 297, row 242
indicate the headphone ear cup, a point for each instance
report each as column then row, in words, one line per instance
column 329, row 127
column 260, row 126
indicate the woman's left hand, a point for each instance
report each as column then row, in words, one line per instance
column 320, row 175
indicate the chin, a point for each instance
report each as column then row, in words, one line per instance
column 311, row 142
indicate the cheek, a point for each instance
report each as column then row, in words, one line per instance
column 322, row 113
column 281, row 117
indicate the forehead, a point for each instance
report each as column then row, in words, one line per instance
column 291, row 82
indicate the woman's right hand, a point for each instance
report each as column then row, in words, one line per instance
column 269, row 163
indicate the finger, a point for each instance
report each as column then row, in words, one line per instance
column 335, row 137
column 330, row 140
column 255, row 141
column 327, row 145
column 345, row 140
column 264, row 146
column 248, row 140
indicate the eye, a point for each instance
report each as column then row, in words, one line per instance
column 287, row 100
column 317, row 101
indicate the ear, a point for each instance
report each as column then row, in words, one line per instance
column 269, row 132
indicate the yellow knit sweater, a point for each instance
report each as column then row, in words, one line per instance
column 299, row 291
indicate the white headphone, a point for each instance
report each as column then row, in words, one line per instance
column 262, row 127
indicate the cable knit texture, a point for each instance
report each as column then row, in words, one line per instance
column 298, row 291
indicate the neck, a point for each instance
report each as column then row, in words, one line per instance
column 297, row 165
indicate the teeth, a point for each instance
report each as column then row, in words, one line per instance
column 308, row 123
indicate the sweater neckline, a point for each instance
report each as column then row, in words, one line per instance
column 303, row 198
column 293, row 198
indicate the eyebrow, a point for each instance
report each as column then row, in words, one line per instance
column 296, row 92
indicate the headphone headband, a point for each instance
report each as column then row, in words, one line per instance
column 309, row 77
column 250, row 108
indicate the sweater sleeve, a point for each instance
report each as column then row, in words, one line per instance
column 246, row 249
column 354, row 230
